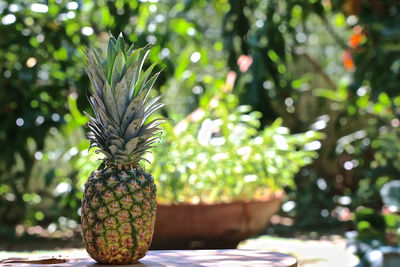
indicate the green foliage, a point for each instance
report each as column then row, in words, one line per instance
column 330, row 65
column 390, row 194
column 392, row 230
column 370, row 224
column 378, row 164
column 378, row 59
column 297, row 74
column 373, row 225
column 41, row 64
column 223, row 157
column 37, row 70
column 311, row 188
column 59, row 176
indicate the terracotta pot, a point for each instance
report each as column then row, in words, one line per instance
column 189, row 226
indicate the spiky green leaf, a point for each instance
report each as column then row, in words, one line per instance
column 110, row 103
column 121, row 93
column 142, row 57
column 111, row 54
column 133, row 129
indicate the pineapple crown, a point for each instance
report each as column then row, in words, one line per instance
column 119, row 99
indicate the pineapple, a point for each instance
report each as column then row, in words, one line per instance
column 119, row 201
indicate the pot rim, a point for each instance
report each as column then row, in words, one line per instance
column 273, row 197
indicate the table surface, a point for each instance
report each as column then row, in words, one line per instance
column 225, row 257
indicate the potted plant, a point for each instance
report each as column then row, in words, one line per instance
column 219, row 178
column 377, row 237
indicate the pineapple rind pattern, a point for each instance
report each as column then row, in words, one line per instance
column 118, row 206
column 118, row 215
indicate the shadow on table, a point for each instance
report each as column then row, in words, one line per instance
column 230, row 257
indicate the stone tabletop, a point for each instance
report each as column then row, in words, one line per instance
column 226, row 257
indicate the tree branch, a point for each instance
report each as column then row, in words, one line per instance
column 317, row 66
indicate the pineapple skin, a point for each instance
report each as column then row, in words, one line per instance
column 118, row 215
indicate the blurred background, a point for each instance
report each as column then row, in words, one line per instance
column 299, row 96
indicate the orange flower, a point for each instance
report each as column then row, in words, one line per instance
column 357, row 37
column 348, row 61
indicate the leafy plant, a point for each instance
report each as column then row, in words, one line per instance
column 223, row 157
column 53, row 197
column 374, row 230
column 370, row 224
column 41, row 65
